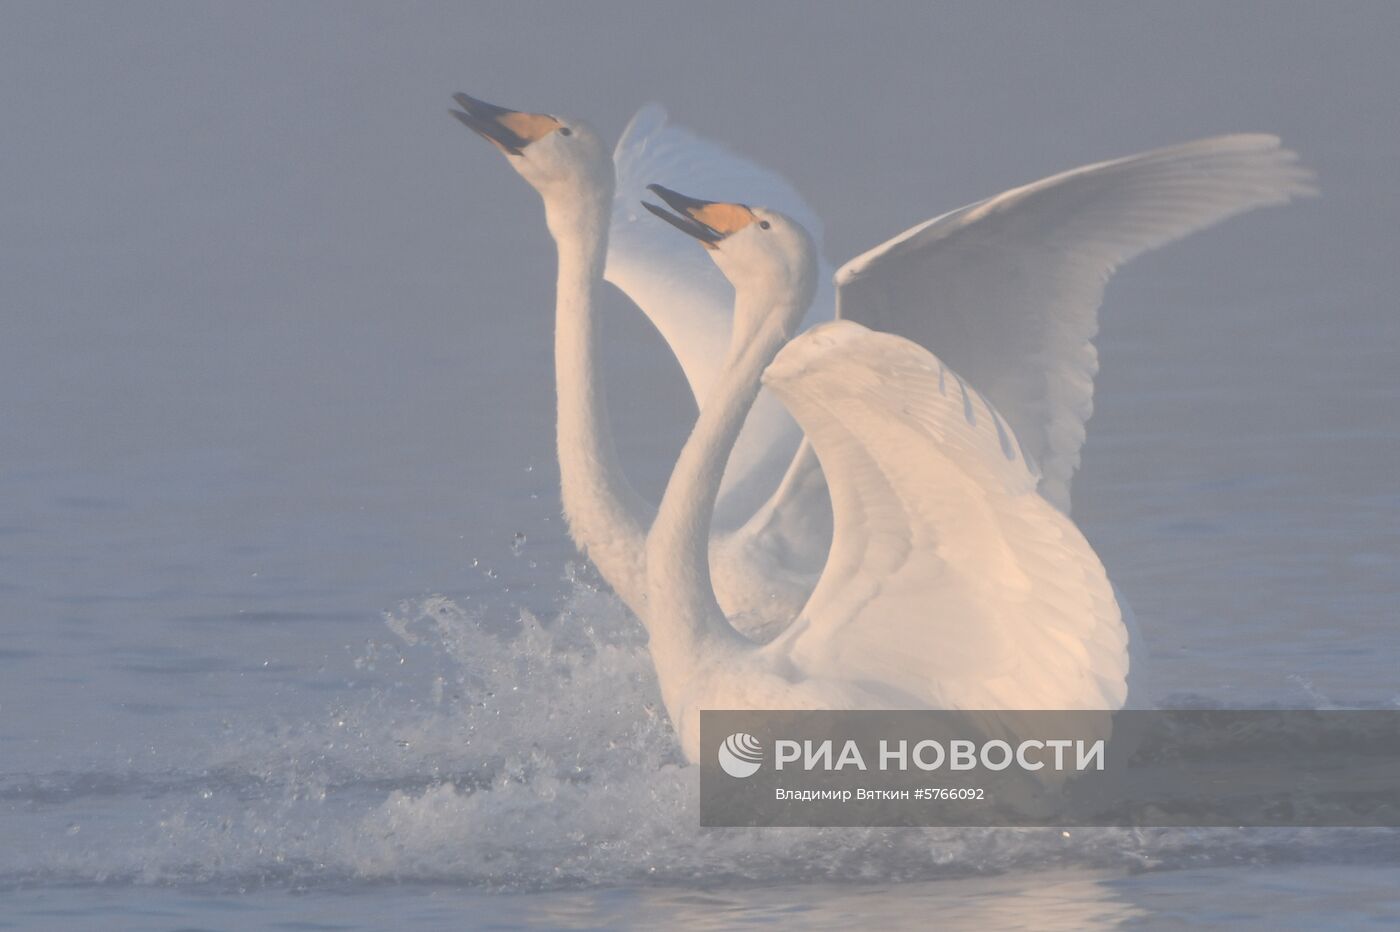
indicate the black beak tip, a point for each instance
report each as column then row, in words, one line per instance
column 481, row 118
column 676, row 200
column 673, row 199
column 686, row 224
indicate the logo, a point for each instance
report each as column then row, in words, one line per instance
column 740, row 755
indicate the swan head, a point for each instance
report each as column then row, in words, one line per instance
column 768, row 257
column 560, row 157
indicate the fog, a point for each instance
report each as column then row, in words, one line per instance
column 276, row 331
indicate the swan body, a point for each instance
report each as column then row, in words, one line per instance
column 952, row 582
column 1006, row 291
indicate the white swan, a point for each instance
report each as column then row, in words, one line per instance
column 952, row 582
column 1006, row 291
column 568, row 164
column 771, row 563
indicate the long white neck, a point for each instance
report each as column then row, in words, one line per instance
column 683, row 618
column 606, row 517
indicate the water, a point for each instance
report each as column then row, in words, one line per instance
column 290, row 631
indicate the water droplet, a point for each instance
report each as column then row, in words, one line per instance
column 74, row 828
column 517, row 543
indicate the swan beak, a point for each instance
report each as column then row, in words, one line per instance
column 708, row 221
column 508, row 130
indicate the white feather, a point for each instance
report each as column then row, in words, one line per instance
column 950, row 580
column 688, row 300
column 1007, row 290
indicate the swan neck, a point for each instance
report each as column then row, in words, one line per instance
column 684, row 618
column 605, row 516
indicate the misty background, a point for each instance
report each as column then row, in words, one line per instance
column 276, row 332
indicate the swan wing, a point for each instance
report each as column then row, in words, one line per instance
column 950, row 579
column 1006, row 291
column 689, row 300
column 675, row 284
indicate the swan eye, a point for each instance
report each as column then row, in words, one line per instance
column 764, row 224
column 565, row 131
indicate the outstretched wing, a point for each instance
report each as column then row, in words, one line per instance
column 1007, row 291
column 686, row 297
column 950, row 579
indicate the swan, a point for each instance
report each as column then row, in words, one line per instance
column 1005, row 290
column 952, row 583
column 568, row 164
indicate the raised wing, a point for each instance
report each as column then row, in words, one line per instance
column 1007, row 290
column 682, row 292
column 950, row 580
column 672, row 281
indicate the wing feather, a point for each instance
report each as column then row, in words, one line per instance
column 674, row 283
column 684, row 294
column 950, row 579
column 1007, row 290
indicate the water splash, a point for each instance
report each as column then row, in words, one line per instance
column 514, row 752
